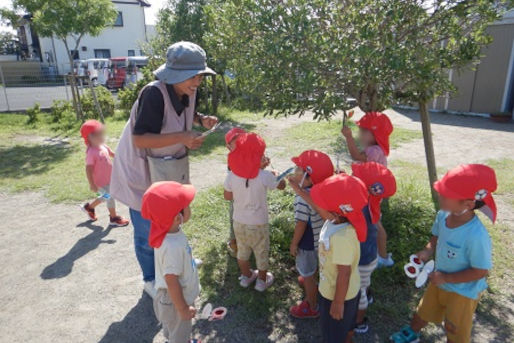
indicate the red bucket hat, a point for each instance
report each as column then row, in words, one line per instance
column 317, row 164
column 233, row 133
column 380, row 183
column 245, row 160
column 346, row 195
column 162, row 202
column 470, row 181
column 381, row 127
column 90, row 126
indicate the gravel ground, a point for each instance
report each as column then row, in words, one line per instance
column 67, row 280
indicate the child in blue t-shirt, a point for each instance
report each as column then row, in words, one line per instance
column 462, row 250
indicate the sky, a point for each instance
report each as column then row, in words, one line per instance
column 150, row 13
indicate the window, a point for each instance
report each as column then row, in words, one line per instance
column 119, row 19
column 131, row 53
column 102, row 53
column 75, row 54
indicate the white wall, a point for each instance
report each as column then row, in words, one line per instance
column 119, row 39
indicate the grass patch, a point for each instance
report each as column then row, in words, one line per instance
column 326, row 135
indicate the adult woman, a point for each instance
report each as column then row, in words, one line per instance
column 157, row 137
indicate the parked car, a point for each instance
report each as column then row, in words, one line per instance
column 98, row 70
column 125, row 70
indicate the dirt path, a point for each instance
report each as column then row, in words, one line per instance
column 64, row 280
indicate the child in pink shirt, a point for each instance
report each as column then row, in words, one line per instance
column 374, row 131
column 98, row 170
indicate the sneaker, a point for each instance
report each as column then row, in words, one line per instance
column 89, row 211
column 245, row 281
column 198, row 262
column 149, row 288
column 385, row 262
column 405, row 335
column 303, row 311
column 362, row 327
column 119, row 221
column 262, row 285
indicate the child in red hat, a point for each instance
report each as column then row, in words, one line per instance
column 166, row 206
column 374, row 131
column 230, row 141
column 312, row 167
column 247, row 185
column 98, row 170
column 341, row 197
column 381, row 184
column 462, row 250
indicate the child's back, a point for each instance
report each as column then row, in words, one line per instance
column 250, row 196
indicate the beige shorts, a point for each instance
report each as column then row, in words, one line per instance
column 253, row 238
column 175, row 329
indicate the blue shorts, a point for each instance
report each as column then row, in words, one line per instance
column 306, row 262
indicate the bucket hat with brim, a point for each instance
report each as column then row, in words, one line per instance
column 183, row 61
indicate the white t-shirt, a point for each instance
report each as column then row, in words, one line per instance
column 250, row 203
column 174, row 256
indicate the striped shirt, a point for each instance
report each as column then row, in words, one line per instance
column 305, row 213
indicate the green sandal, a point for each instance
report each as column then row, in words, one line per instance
column 405, row 335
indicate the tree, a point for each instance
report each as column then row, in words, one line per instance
column 8, row 44
column 304, row 55
column 69, row 21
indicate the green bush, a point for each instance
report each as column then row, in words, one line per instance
column 32, row 114
column 128, row 95
column 105, row 99
column 59, row 109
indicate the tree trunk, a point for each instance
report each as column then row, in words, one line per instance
column 214, row 96
column 97, row 104
column 73, row 85
column 429, row 148
column 225, row 89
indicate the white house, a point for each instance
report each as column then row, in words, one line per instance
column 124, row 38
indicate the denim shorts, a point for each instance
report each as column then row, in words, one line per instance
column 306, row 262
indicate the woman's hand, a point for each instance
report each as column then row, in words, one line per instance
column 336, row 310
column 208, row 121
column 187, row 313
column 193, row 139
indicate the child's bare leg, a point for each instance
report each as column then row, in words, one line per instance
column 360, row 316
column 311, row 291
column 381, row 240
column 112, row 212
column 349, row 337
column 244, row 266
column 417, row 323
column 262, row 275
column 95, row 203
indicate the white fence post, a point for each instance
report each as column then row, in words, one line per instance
column 5, row 88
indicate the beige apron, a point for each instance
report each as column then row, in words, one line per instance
column 131, row 174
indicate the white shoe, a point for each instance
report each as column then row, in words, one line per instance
column 149, row 288
column 198, row 262
column 262, row 285
column 245, row 281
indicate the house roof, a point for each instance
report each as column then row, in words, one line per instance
column 142, row 3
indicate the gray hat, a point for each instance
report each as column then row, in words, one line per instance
column 183, row 61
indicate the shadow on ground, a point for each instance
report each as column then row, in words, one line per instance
column 443, row 118
column 21, row 160
column 64, row 265
column 138, row 326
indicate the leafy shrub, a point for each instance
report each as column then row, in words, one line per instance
column 59, row 109
column 32, row 114
column 128, row 95
column 105, row 99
